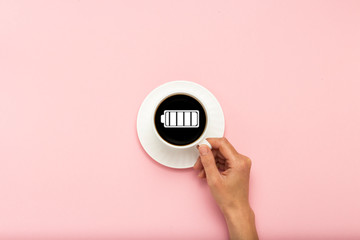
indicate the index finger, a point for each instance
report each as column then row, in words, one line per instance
column 224, row 146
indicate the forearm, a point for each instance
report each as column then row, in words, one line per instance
column 241, row 223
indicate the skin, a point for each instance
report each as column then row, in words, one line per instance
column 227, row 173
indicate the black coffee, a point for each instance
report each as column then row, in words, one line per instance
column 180, row 119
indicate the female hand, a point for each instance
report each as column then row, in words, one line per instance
column 227, row 173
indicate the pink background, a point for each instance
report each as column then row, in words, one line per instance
column 73, row 75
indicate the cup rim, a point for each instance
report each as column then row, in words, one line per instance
column 195, row 143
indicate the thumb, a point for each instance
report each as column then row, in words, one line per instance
column 208, row 161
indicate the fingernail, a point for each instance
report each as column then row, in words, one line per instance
column 203, row 150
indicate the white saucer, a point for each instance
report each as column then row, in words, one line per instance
column 160, row 152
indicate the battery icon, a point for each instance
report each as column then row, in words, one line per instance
column 180, row 118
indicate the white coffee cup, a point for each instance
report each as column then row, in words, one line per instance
column 201, row 140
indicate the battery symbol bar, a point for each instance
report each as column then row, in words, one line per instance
column 180, row 118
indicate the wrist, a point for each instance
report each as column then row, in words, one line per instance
column 235, row 208
column 240, row 212
column 240, row 220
